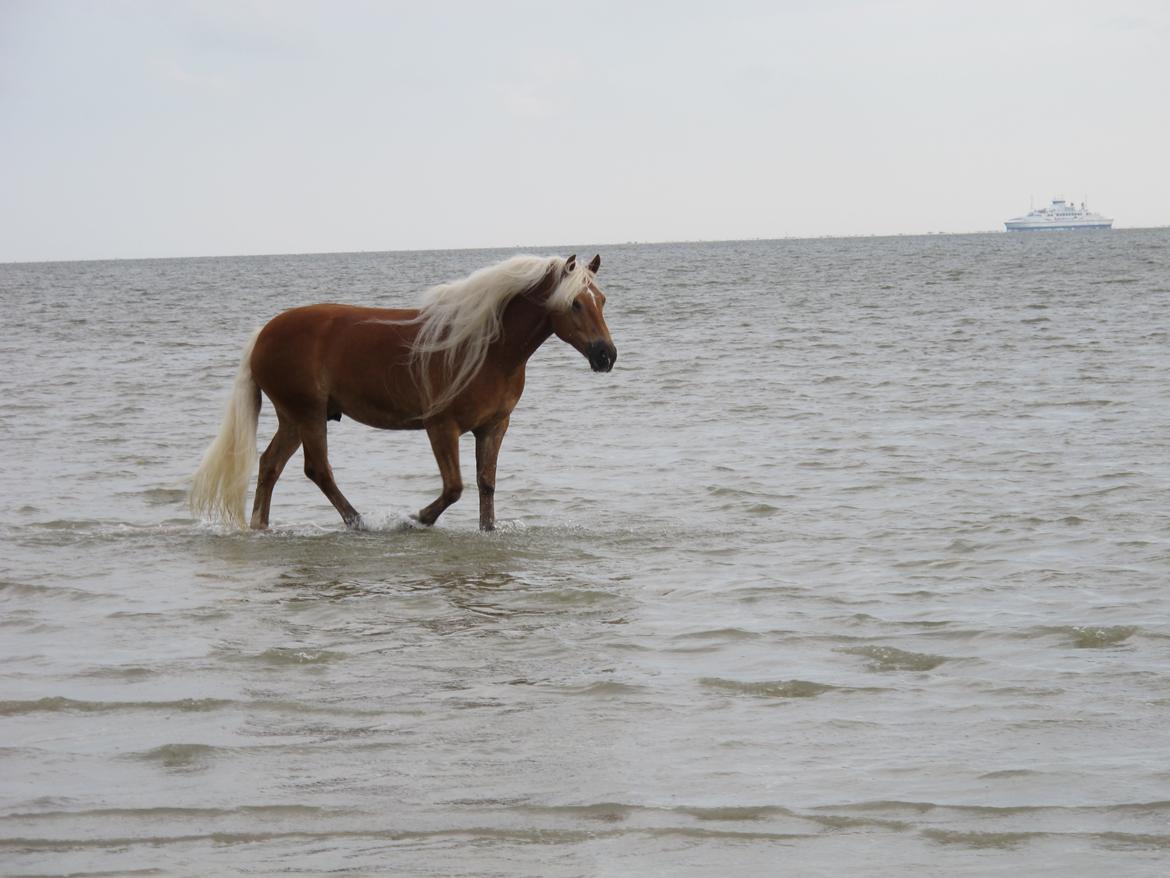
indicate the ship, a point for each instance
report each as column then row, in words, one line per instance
column 1060, row 216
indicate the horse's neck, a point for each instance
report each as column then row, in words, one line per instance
column 526, row 325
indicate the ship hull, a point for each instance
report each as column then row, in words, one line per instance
column 1056, row 227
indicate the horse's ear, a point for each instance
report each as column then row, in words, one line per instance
column 595, row 263
column 570, row 264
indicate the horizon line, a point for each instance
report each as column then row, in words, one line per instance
column 533, row 247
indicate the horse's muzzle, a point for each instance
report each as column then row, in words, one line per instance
column 602, row 355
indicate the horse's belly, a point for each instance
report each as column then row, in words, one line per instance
column 379, row 414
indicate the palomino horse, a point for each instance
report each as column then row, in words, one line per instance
column 453, row 366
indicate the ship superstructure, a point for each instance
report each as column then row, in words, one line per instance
column 1060, row 216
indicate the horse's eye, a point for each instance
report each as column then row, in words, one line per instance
column 576, row 305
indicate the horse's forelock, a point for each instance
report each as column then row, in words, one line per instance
column 569, row 286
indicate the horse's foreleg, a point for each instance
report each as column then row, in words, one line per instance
column 320, row 473
column 487, row 450
column 445, row 444
column 283, row 445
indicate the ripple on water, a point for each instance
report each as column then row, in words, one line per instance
column 604, row 689
column 1009, row 773
column 1089, row 637
column 770, row 688
column 180, row 757
column 282, row 656
column 58, row 704
column 981, row 839
column 27, row 591
column 165, row 496
column 1083, row 636
column 888, row 658
column 737, row 813
column 719, row 634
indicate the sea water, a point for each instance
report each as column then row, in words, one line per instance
column 858, row 562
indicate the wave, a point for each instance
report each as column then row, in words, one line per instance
column 1083, row 636
column 541, row 836
column 283, row 656
column 771, row 688
column 1088, row 637
column 25, row 590
column 1154, row 807
column 178, row 756
column 586, row 823
column 165, row 496
column 178, row 812
column 720, row 634
column 887, row 658
column 58, row 704
column 975, row 839
column 603, row 689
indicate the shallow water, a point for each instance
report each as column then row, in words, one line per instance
column 858, row 560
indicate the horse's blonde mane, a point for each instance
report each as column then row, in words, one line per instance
column 460, row 320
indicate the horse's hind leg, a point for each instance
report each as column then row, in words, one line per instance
column 317, row 468
column 445, row 444
column 283, row 445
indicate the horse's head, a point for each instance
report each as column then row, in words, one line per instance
column 580, row 322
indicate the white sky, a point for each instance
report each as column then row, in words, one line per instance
column 175, row 129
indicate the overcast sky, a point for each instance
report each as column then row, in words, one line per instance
column 178, row 129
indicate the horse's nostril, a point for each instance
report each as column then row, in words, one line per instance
column 601, row 356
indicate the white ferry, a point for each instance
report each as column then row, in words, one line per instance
column 1060, row 216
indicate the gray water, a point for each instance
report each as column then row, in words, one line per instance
column 858, row 562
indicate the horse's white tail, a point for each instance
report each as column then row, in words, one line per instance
column 220, row 487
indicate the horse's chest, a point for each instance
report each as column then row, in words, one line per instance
column 512, row 393
column 490, row 402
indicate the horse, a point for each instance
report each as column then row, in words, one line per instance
column 452, row 366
